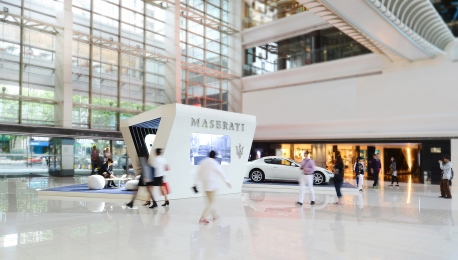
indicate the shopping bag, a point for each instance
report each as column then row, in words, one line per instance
column 166, row 186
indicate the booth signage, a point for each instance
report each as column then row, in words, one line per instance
column 218, row 124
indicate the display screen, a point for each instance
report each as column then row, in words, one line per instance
column 202, row 144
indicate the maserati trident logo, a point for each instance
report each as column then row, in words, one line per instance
column 239, row 150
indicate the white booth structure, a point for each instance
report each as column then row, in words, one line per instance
column 187, row 134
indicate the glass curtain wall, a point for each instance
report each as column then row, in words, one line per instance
column 206, row 47
column 106, row 78
column 448, row 10
column 257, row 12
column 27, row 57
column 318, row 46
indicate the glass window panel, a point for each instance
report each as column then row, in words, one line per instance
column 104, row 120
column 39, row 76
column 80, row 49
column 34, row 90
column 197, row 4
column 80, row 28
column 80, row 83
column 9, row 51
column 216, row 3
column 107, row 9
column 14, row 9
column 195, row 27
column 156, row 12
column 137, row 5
column 37, row 113
column 9, row 111
column 134, row 104
column 212, row 34
column 213, row 11
column 9, row 33
column 132, row 91
column 80, row 117
column 42, row 6
column 105, row 35
column 9, row 70
column 155, row 26
column 131, row 17
column 11, row 87
column 212, row 103
column 196, row 40
column 131, row 32
column 85, row 4
column 41, row 17
column 213, row 93
column 155, row 39
column 213, row 46
column 39, row 39
column 195, row 52
column 105, row 24
column 105, row 55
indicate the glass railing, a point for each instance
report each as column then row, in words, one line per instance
column 260, row 12
column 295, row 60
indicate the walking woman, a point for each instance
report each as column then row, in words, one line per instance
column 338, row 178
column 394, row 173
column 160, row 168
column 146, row 178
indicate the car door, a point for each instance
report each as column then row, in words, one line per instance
column 285, row 169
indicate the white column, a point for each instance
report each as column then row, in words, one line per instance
column 235, row 57
column 172, row 70
column 63, row 65
column 454, row 153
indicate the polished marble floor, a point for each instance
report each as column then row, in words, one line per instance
column 406, row 222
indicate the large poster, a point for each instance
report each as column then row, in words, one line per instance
column 202, row 144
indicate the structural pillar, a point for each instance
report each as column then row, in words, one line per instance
column 235, row 53
column 63, row 65
column 172, row 69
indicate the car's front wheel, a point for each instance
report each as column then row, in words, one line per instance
column 318, row 178
column 257, row 175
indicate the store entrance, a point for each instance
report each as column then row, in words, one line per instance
column 406, row 155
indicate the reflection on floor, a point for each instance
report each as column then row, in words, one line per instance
column 406, row 222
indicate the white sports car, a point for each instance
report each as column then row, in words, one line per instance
column 279, row 168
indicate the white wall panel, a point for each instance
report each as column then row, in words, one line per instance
column 405, row 100
column 344, row 68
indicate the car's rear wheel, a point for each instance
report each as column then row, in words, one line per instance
column 257, row 175
column 318, row 178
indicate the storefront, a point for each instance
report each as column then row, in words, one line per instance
column 416, row 160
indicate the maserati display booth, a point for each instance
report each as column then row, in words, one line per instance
column 187, row 134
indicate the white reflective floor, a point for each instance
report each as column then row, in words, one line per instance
column 406, row 222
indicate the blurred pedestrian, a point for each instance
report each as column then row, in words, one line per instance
column 394, row 173
column 375, row 169
column 146, row 178
column 160, row 169
column 338, row 178
column 207, row 174
column 360, row 173
column 306, row 178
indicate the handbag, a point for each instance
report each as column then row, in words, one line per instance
column 390, row 172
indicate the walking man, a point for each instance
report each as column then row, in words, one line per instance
column 446, row 168
column 375, row 169
column 207, row 175
column 306, row 178
column 94, row 157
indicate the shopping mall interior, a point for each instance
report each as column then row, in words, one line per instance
column 261, row 82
